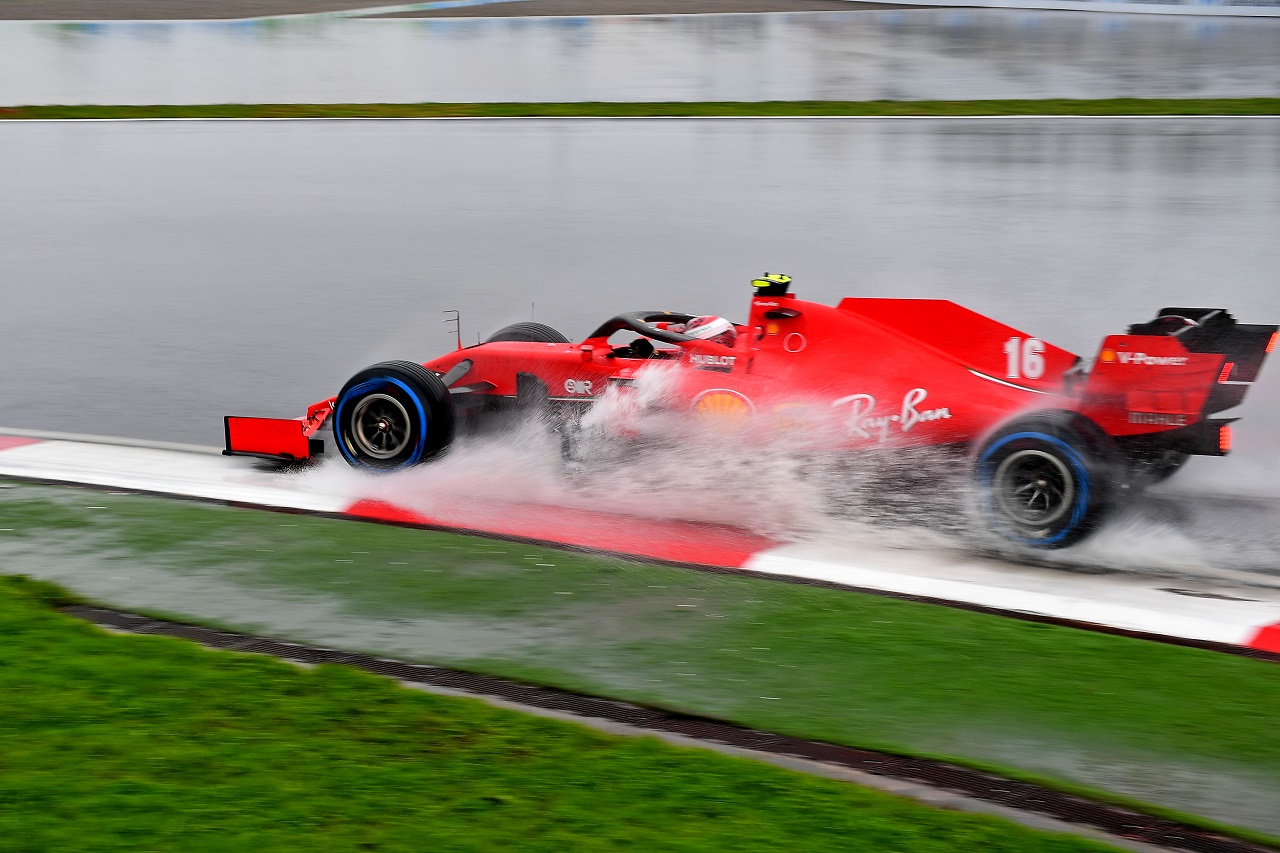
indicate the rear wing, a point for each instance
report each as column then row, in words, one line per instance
column 1243, row 347
column 1171, row 374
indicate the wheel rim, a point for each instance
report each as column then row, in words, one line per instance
column 1034, row 488
column 380, row 426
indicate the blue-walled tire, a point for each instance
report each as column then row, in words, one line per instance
column 1044, row 481
column 392, row 415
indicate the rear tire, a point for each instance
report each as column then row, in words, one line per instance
column 528, row 333
column 1043, row 480
column 392, row 415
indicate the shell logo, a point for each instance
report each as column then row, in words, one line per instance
column 1108, row 355
column 722, row 404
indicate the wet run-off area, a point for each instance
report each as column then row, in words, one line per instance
column 856, row 55
column 1128, row 716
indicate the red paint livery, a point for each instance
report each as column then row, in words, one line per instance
column 1051, row 437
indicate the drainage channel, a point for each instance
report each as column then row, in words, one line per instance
column 1022, row 796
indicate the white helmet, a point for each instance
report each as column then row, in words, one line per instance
column 712, row 328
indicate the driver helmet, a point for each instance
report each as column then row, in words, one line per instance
column 712, row 328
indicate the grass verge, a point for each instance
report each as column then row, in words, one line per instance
column 1056, row 106
column 138, row 743
column 1079, row 711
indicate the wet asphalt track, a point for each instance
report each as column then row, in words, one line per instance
column 160, row 275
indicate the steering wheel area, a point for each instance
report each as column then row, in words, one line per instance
column 642, row 323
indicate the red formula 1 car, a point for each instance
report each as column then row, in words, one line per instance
column 1052, row 439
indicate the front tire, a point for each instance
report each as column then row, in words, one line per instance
column 1042, row 480
column 538, row 333
column 392, row 415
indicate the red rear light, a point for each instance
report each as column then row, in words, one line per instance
column 1271, row 344
column 1224, row 438
column 1226, row 371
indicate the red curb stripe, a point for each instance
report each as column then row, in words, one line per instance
column 654, row 539
column 1267, row 639
column 8, row 442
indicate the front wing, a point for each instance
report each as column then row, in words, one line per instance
column 287, row 439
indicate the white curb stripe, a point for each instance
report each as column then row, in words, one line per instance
column 1130, row 604
column 167, row 471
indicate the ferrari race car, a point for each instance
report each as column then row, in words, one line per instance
column 1053, row 440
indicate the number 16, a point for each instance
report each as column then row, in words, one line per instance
column 1032, row 361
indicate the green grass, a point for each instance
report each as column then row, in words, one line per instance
column 1055, row 106
column 148, row 743
column 1082, row 711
